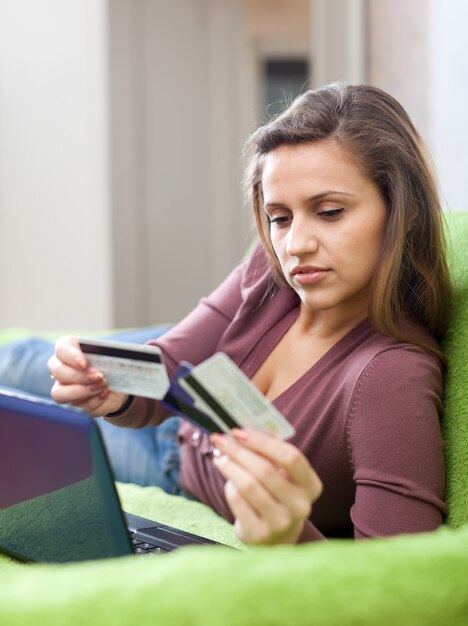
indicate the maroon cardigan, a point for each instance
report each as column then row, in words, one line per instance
column 366, row 414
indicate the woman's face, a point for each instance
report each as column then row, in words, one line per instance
column 327, row 222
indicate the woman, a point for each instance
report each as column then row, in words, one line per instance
column 335, row 317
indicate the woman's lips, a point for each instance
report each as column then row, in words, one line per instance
column 308, row 275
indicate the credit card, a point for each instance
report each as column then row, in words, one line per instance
column 219, row 386
column 179, row 402
column 138, row 370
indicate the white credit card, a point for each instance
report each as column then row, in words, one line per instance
column 219, row 385
column 136, row 369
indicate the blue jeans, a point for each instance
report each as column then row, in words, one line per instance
column 146, row 456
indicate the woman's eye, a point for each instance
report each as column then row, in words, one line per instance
column 279, row 220
column 330, row 213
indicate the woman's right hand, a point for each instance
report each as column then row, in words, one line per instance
column 77, row 383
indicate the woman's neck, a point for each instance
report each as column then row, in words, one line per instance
column 328, row 324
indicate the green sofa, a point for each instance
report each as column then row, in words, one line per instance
column 408, row 580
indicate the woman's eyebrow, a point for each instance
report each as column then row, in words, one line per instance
column 329, row 192
column 273, row 205
column 314, row 198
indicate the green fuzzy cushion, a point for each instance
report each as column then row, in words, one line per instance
column 409, row 580
column 455, row 418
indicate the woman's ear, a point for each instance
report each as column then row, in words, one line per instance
column 413, row 218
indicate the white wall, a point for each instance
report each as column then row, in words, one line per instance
column 448, row 98
column 338, row 41
column 397, row 54
column 179, row 224
column 65, row 261
column 418, row 52
column 54, row 208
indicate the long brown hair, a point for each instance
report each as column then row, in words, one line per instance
column 411, row 281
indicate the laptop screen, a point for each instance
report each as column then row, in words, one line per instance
column 57, row 497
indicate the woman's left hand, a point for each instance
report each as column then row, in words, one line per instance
column 270, row 486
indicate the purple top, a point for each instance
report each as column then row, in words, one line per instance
column 366, row 414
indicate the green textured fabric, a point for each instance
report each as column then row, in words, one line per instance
column 455, row 419
column 410, row 580
column 11, row 334
column 177, row 511
column 14, row 333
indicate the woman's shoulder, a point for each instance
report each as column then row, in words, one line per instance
column 380, row 360
column 410, row 345
column 390, row 365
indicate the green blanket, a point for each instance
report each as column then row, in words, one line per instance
column 409, row 581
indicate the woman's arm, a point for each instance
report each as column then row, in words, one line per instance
column 395, row 445
column 197, row 336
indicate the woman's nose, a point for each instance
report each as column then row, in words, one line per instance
column 301, row 238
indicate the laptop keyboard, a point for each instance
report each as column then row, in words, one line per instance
column 141, row 546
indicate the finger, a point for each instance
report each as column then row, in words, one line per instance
column 248, row 525
column 93, row 405
column 68, row 375
column 296, row 493
column 283, row 454
column 246, row 483
column 274, row 451
column 250, row 471
column 76, row 394
column 67, row 350
column 259, row 516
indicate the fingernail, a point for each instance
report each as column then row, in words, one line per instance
column 239, row 434
column 95, row 377
column 81, row 363
column 218, row 457
column 96, row 387
column 218, row 440
column 104, row 394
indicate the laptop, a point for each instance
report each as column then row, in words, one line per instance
column 58, row 501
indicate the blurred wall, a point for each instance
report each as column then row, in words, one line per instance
column 448, row 96
column 418, row 52
column 179, row 224
column 186, row 89
column 397, row 54
column 122, row 124
column 54, row 197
